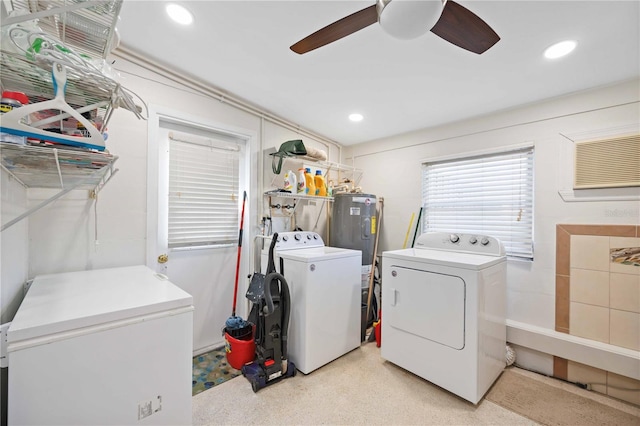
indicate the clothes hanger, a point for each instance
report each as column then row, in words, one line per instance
column 15, row 121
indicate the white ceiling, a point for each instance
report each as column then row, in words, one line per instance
column 242, row 47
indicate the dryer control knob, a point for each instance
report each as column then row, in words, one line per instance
column 473, row 240
column 484, row 241
column 315, row 236
column 308, row 236
column 297, row 237
column 454, row 238
column 285, row 238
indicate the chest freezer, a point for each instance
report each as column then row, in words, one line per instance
column 108, row 346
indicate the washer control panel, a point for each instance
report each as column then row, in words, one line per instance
column 292, row 240
column 472, row 243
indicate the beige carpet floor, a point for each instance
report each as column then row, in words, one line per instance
column 551, row 405
column 362, row 388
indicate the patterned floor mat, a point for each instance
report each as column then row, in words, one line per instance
column 211, row 369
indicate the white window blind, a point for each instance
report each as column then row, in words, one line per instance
column 489, row 195
column 203, row 191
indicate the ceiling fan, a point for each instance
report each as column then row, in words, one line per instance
column 408, row 19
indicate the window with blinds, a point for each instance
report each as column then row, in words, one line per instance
column 488, row 194
column 203, row 191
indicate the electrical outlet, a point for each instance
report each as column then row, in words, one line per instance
column 147, row 408
column 4, row 359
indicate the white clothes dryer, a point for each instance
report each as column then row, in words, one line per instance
column 324, row 284
column 444, row 311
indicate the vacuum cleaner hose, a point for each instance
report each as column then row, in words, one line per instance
column 286, row 306
column 285, row 300
column 268, row 298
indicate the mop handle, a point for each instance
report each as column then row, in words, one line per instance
column 235, row 289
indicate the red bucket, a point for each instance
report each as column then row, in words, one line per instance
column 239, row 352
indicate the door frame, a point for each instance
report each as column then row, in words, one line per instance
column 154, row 233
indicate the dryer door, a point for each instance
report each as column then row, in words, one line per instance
column 427, row 304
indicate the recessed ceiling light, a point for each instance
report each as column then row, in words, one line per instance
column 356, row 117
column 179, row 14
column 559, row 50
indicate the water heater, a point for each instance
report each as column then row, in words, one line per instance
column 353, row 226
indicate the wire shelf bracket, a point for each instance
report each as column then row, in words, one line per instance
column 54, row 168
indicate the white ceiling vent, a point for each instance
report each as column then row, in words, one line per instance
column 608, row 163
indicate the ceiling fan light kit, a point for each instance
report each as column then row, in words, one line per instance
column 408, row 19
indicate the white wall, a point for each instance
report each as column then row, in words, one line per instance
column 13, row 262
column 62, row 236
column 13, row 246
column 392, row 169
column 76, row 233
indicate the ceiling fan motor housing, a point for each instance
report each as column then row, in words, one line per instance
column 408, row 19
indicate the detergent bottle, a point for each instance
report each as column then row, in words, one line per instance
column 290, row 182
column 302, row 186
column 321, row 185
column 311, row 186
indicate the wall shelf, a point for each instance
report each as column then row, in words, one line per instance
column 281, row 194
column 76, row 34
column 55, row 168
column 87, row 26
column 343, row 171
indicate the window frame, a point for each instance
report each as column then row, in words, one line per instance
column 517, row 248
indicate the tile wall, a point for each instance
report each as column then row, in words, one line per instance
column 604, row 295
column 598, row 298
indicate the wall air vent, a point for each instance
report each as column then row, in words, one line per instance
column 608, row 163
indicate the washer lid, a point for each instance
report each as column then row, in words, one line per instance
column 445, row 258
column 68, row 301
column 317, row 254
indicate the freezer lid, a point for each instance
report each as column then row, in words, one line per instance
column 445, row 258
column 317, row 254
column 68, row 301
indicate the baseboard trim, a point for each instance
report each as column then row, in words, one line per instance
column 615, row 359
column 208, row 348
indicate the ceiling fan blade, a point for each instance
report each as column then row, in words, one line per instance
column 460, row 26
column 337, row 30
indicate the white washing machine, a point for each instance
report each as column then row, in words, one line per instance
column 444, row 311
column 324, row 283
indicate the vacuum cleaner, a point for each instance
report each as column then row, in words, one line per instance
column 270, row 312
